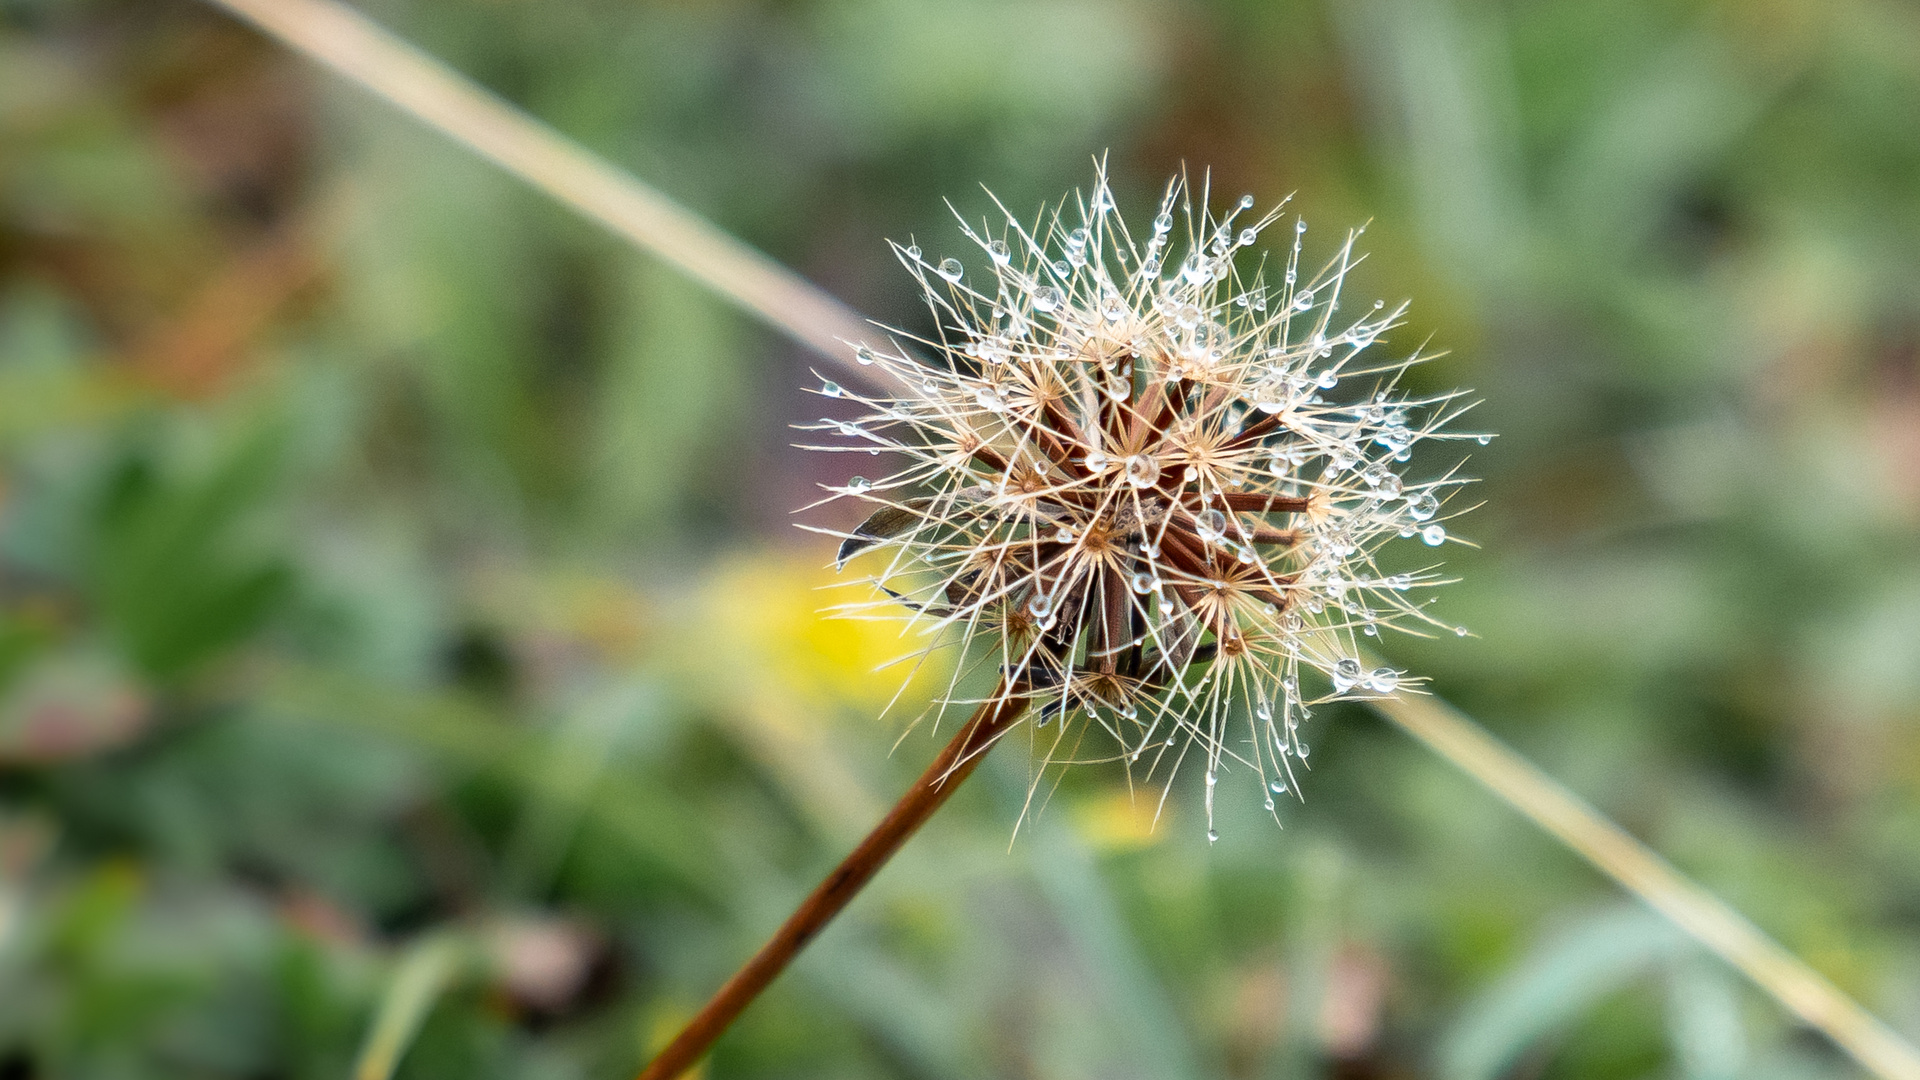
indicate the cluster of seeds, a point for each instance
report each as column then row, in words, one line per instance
column 1146, row 476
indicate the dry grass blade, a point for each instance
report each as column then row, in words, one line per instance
column 345, row 41
column 353, row 46
column 1807, row 994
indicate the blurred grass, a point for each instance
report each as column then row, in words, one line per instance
column 385, row 553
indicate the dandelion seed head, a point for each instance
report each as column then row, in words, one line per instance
column 1146, row 476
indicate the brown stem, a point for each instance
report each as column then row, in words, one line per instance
column 955, row 762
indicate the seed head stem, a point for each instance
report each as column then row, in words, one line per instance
column 955, row 762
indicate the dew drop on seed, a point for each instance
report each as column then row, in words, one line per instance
column 1278, row 787
column 1383, row 680
column 1422, row 506
column 1246, row 202
column 851, row 430
column 1248, row 236
column 1064, row 536
column 1433, row 536
column 1046, row 298
column 1484, row 439
column 951, row 269
column 1263, row 709
column 1269, row 802
column 1212, row 779
column 1299, row 227
column 1212, row 836
column 1190, row 474
column 1345, row 675
column 830, row 389
column 1460, row 631
column 1163, row 224
column 859, row 485
column 999, row 252
column 913, row 252
column 1142, row 583
column 1213, row 524
column 1303, row 750
column 1142, row 471
column 863, row 356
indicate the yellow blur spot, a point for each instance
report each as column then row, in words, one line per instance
column 767, row 609
column 1120, row 821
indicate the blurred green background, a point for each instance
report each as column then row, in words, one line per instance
column 397, row 572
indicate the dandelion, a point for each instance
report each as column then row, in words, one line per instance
column 1147, row 474
column 1146, row 486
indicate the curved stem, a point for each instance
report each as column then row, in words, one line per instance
column 934, row 787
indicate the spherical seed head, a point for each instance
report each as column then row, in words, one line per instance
column 1147, row 473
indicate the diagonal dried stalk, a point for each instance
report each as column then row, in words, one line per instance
column 347, row 42
column 954, row 763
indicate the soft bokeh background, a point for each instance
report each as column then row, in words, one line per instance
column 397, row 573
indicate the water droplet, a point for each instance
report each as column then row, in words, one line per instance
column 1212, row 779
column 1213, row 836
column 1422, row 506
column 989, row 399
column 1097, row 462
column 1190, row 473
column 859, row 485
column 1483, row 439
column 1460, row 631
column 1383, row 680
column 1248, row 236
column 1278, row 787
column 1400, row 582
column 1143, row 583
column 999, row 252
column 1303, row 750
column 951, row 269
column 851, row 430
column 1433, row 536
column 1345, row 675
column 1046, row 298
column 1163, row 224
column 913, row 252
column 1142, row 471
column 1211, row 524
column 1263, row 709
column 1299, row 227
column 1064, row 536
column 1269, row 802
column 830, row 389
column 1040, row 606
column 1113, row 308
column 863, row 356
column 1303, row 300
